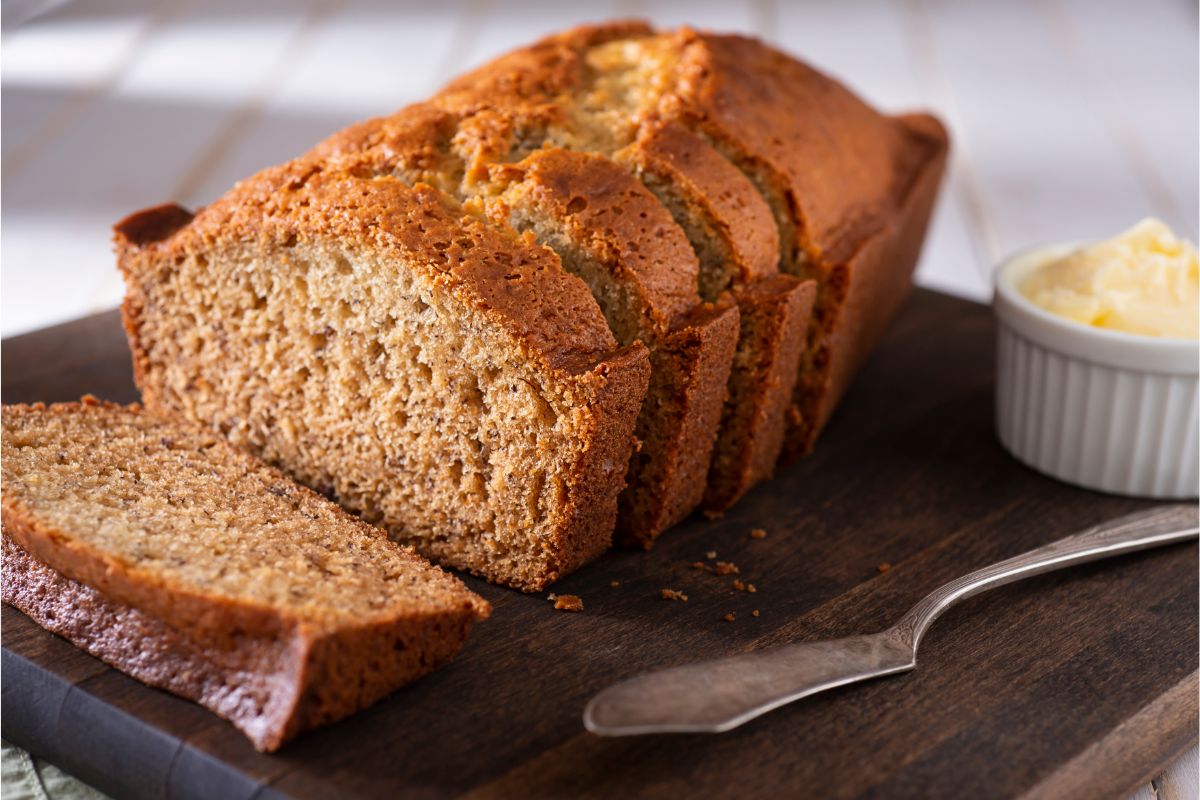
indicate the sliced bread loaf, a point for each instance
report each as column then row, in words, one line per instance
column 160, row 549
column 441, row 376
column 611, row 231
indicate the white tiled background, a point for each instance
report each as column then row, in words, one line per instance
column 1071, row 118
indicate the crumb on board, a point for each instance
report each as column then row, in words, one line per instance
column 730, row 617
column 614, row 584
column 758, row 533
column 725, row 568
column 737, row 584
column 674, row 594
column 710, row 555
column 568, row 602
column 698, row 565
column 750, row 588
column 754, row 613
column 883, row 567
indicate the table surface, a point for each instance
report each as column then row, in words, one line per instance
column 1071, row 118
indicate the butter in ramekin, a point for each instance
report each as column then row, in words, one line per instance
column 1144, row 281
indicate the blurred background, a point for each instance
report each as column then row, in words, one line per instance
column 1071, row 118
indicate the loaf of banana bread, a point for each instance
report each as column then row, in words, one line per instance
column 735, row 230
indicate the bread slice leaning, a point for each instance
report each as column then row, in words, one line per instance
column 436, row 374
column 160, row 549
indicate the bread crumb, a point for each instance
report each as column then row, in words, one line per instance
column 730, row 617
column 737, row 584
column 614, row 584
column 698, row 565
column 884, row 567
column 754, row 613
column 750, row 588
column 552, row 597
column 710, row 555
column 672, row 594
column 568, row 602
column 725, row 568
column 758, row 533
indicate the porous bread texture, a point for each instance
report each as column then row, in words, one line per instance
column 436, row 374
column 611, row 231
column 569, row 90
column 850, row 188
column 158, row 547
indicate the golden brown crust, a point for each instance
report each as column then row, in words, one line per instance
column 718, row 189
column 414, row 143
column 877, row 280
column 153, row 224
column 528, row 77
column 272, row 688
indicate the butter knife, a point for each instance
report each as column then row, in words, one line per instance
column 718, row 695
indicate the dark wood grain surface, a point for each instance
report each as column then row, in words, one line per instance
column 1081, row 683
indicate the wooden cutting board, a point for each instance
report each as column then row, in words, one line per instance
column 1081, row 683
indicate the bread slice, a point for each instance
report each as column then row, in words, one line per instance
column 570, row 91
column 850, row 189
column 162, row 550
column 611, row 231
column 439, row 375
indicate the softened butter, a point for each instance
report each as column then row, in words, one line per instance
column 1144, row 281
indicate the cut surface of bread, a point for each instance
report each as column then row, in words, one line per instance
column 158, row 547
column 436, row 374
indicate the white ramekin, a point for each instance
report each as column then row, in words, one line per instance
column 1098, row 408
